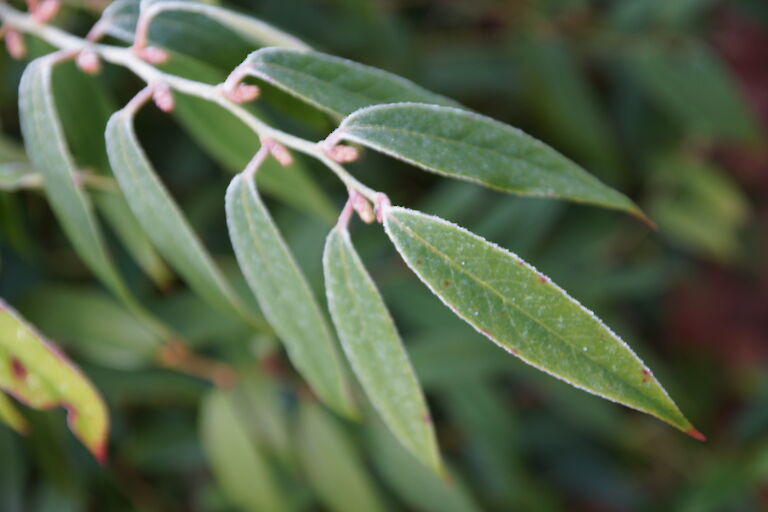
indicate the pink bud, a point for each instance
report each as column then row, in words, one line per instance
column 282, row 155
column 363, row 209
column 244, row 93
column 14, row 43
column 46, row 10
column 152, row 54
column 343, row 154
column 163, row 97
column 88, row 61
column 381, row 203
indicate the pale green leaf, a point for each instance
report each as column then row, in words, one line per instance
column 241, row 469
column 283, row 294
column 464, row 145
column 35, row 372
column 162, row 219
column 18, row 175
column 373, row 346
column 333, row 466
column 11, row 416
column 519, row 309
column 333, row 84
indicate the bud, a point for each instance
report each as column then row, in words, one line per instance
column 46, row 10
column 243, row 93
column 363, row 209
column 152, row 54
column 281, row 154
column 163, row 97
column 88, row 61
column 343, row 154
column 14, row 43
column 381, row 202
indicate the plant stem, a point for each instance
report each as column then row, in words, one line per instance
column 127, row 58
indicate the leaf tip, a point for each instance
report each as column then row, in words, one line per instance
column 100, row 452
column 694, row 433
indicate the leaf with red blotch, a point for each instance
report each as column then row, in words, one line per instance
column 36, row 373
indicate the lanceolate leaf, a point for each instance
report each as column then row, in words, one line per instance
column 37, row 373
column 373, row 347
column 333, row 84
column 239, row 465
column 283, row 294
column 333, row 466
column 162, row 219
column 519, row 309
column 11, row 416
column 464, row 145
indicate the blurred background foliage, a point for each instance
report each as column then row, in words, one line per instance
column 664, row 100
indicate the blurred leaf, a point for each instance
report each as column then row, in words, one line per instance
column 162, row 219
column 37, row 373
column 475, row 148
column 240, row 467
column 525, row 313
column 284, row 295
column 374, row 349
column 416, row 485
column 332, row 464
column 12, row 473
column 691, row 84
column 11, row 416
column 333, row 84
column 18, row 175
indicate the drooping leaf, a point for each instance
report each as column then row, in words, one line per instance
column 333, row 84
column 415, row 485
column 519, row 309
column 333, row 466
column 241, row 469
column 162, row 219
column 284, row 295
column 464, row 145
column 35, row 372
column 11, row 416
column 374, row 349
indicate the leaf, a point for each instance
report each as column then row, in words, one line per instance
column 11, row 416
column 162, row 219
column 418, row 487
column 338, row 86
column 18, row 175
column 333, row 466
column 373, row 347
column 35, row 372
column 240, row 468
column 519, row 309
column 284, row 295
column 464, row 145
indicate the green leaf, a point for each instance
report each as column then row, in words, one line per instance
column 18, row 175
column 38, row 374
column 373, row 347
column 162, row 219
column 333, row 84
column 519, row 309
column 333, row 465
column 464, row 145
column 284, row 295
column 418, row 487
column 240, row 467
column 11, row 416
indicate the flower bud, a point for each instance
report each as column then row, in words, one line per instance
column 163, row 97
column 14, row 43
column 88, row 61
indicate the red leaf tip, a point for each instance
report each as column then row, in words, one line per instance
column 696, row 434
column 100, row 453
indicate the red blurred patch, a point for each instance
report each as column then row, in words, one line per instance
column 18, row 370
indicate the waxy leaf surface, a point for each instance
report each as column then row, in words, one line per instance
column 239, row 465
column 284, row 294
column 36, row 373
column 162, row 219
column 461, row 144
column 373, row 347
column 519, row 309
column 333, row 84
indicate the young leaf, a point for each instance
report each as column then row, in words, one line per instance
column 333, row 84
column 519, row 309
column 35, row 372
column 162, row 219
column 373, row 347
column 464, row 145
column 333, row 466
column 283, row 294
column 240, row 467
column 11, row 416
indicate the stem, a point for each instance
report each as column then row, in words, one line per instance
column 127, row 58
